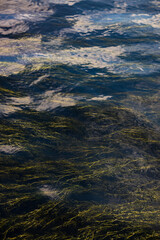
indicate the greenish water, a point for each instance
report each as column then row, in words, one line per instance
column 79, row 120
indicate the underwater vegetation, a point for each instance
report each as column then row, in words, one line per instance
column 84, row 171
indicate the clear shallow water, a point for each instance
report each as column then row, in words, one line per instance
column 79, row 119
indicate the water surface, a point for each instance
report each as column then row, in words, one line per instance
column 79, row 119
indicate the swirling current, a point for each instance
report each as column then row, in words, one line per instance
column 79, row 120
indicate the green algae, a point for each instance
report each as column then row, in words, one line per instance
column 89, row 171
column 105, row 194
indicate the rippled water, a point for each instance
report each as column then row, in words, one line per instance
column 79, row 119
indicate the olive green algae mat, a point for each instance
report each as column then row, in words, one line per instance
column 86, row 171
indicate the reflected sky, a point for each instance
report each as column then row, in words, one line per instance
column 68, row 2
column 105, row 37
column 104, row 20
column 15, row 16
column 9, row 149
column 121, row 20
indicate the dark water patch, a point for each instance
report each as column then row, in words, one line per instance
column 98, row 39
column 50, row 26
column 63, row 10
column 5, row 83
column 8, row 58
column 141, row 58
column 94, row 5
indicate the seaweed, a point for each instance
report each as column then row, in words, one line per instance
column 86, row 172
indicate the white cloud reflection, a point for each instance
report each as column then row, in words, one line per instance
column 46, row 101
column 11, row 48
column 8, row 68
column 92, row 57
column 21, row 101
column 110, row 20
column 51, row 100
column 50, row 192
column 7, row 109
column 32, row 50
column 9, row 149
column 25, row 6
column 68, row 2
column 16, row 15
column 153, row 21
column 100, row 98
column 14, row 47
column 98, row 57
column 156, row 2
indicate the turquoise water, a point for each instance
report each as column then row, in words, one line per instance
column 79, row 119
